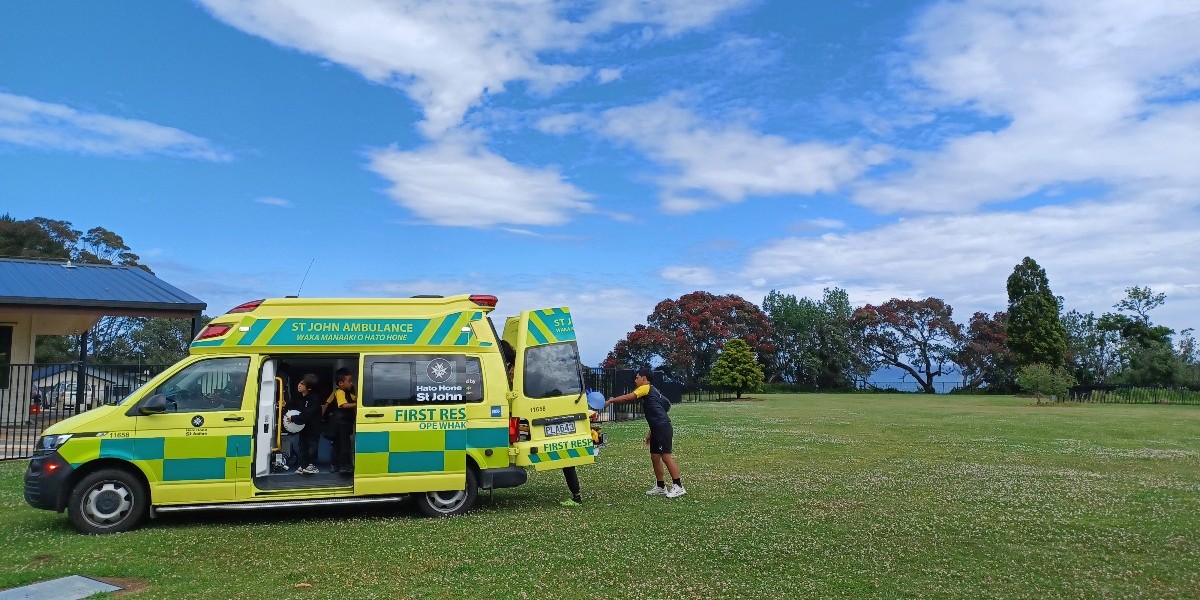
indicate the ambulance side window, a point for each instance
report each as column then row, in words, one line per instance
column 421, row 380
column 208, row 385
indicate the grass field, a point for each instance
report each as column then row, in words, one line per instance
column 808, row 496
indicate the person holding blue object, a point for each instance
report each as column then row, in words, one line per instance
column 655, row 406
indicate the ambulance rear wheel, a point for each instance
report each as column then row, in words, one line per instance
column 448, row 504
column 108, row 501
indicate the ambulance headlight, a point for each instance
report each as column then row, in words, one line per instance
column 49, row 443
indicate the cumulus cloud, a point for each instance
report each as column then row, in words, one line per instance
column 710, row 165
column 1092, row 251
column 28, row 122
column 457, row 184
column 448, row 54
column 601, row 314
column 1082, row 92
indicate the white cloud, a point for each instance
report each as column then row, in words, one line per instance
column 1085, row 91
column 452, row 183
column 608, row 75
column 602, row 314
column 1091, row 251
column 697, row 276
column 448, row 54
column 272, row 201
column 712, row 165
column 32, row 123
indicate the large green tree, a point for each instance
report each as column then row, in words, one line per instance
column 1035, row 332
column 1093, row 352
column 813, row 339
column 1147, row 354
column 737, row 369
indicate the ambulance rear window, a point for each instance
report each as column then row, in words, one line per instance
column 552, row 370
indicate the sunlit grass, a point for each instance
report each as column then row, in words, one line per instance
column 794, row 496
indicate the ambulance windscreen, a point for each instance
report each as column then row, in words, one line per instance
column 552, row 370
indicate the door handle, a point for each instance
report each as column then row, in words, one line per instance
column 373, row 415
column 235, row 418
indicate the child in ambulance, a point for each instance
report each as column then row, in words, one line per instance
column 341, row 407
column 306, row 403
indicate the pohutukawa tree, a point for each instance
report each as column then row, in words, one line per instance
column 685, row 335
column 918, row 337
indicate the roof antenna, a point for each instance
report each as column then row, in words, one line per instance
column 305, row 278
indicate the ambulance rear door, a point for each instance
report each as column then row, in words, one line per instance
column 549, row 403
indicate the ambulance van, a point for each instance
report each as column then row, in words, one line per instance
column 437, row 420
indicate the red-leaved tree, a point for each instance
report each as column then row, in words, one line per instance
column 687, row 334
column 918, row 337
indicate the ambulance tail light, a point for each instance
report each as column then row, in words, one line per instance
column 245, row 307
column 482, row 300
column 213, row 331
column 518, row 430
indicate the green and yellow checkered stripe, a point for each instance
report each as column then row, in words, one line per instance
column 542, row 457
column 199, row 458
column 422, row 451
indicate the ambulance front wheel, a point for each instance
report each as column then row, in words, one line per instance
column 108, row 501
column 448, row 504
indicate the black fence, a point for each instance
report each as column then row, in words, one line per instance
column 1128, row 394
column 34, row 397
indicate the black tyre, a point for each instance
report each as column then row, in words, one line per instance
column 108, row 501
column 451, row 503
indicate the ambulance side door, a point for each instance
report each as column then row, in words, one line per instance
column 199, row 447
column 412, row 422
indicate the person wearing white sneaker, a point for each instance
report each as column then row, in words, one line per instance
column 655, row 406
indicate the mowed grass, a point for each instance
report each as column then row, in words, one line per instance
column 809, row 496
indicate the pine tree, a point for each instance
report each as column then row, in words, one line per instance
column 1036, row 334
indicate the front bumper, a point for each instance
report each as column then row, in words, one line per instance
column 46, row 482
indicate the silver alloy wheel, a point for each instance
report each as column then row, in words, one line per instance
column 106, row 503
column 446, row 502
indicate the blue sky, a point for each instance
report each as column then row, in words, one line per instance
column 608, row 154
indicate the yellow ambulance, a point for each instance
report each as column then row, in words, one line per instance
column 438, row 418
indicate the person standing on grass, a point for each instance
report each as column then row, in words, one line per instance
column 569, row 473
column 655, row 407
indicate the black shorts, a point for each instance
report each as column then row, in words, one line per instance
column 660, row 438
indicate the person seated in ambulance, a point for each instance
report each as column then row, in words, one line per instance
column 230, row 396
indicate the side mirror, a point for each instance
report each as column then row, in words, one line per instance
column 154, row 405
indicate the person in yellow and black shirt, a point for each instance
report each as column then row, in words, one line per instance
column 340, row 407
column 655, row 407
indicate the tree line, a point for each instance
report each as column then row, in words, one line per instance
column 113, row 340
column 826, row 344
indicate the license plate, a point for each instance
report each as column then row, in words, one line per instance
column 554, row 429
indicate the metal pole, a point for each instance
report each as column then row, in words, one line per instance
column 81, row 373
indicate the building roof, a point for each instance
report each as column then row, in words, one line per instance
column 31, row 283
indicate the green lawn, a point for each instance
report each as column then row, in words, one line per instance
column 794, row 496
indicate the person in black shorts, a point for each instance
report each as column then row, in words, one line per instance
column 659, row 438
